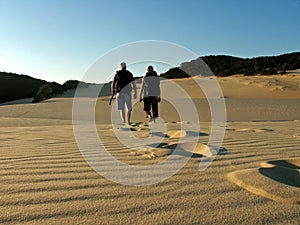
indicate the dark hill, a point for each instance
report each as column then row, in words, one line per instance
column 265, row 65
column 14, row 86
column 223, row 65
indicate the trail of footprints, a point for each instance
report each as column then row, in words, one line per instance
column 171, row 142
column 250, row 130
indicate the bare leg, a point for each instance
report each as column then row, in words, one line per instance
column 148, row 115
column 123, row 115
column 128, row 116
column 150, row 118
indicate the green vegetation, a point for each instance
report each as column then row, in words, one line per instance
column 73, row 84
column 14, row 86
column 44, row 92
column 266, row 65
column 47, row 91
column 223, row 65
column 52, row 89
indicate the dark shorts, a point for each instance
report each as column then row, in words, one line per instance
column 151, row 103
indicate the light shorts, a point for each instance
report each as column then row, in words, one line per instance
column 122, row 99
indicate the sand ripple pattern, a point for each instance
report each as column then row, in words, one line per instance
column 45, row 180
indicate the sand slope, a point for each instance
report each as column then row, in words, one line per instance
column 276, row 180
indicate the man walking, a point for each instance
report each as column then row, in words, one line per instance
column 122, row 84
column 150, row 93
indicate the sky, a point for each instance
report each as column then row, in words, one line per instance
column 58, row 40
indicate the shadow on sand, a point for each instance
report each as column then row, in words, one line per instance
column 286, row 172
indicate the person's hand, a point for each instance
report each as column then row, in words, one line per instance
column 158, row 99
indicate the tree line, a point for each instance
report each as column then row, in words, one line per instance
column 17, row 86
column 14, row 86
column 223, row 65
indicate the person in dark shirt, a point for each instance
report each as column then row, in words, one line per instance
column 150, row 94
column 122, row 84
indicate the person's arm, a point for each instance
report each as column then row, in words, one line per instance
column 142, row 90
column 158, row 97
column 134, row 88
column 113, row 85
column 113, row 92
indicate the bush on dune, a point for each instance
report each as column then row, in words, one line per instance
column 44, row 92
column 52, row 89
column 73, row 84
column 47, row 91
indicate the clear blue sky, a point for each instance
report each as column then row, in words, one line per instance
column 57, row 40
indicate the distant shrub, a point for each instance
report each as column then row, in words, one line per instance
column 45, row 92
column 49, row 90
column 73, row 84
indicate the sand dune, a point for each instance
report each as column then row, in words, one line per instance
column 257, row 87
column 254, row 178
column 277, row 180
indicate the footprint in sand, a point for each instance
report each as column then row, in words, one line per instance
column 144, row 129
column 125, row 128
column 202, row 149
column 152, row 153
column 296, row 135
column 176, row 133
column 139, row 124
column 180, row 122
column 182, row 133
column 170, row 134
column 139, row 152
column 262, row 130
column 129, row 129
column 158, row 153
column 187, row 149
column 277, row 180
column 251, row 130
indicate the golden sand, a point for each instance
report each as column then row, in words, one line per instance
column 253, row 180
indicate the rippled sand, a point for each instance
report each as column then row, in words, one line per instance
column 254, row 179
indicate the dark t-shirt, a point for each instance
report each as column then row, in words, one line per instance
column 123, row 79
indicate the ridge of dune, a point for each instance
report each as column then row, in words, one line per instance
column 240, row 86
column 277, row 180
